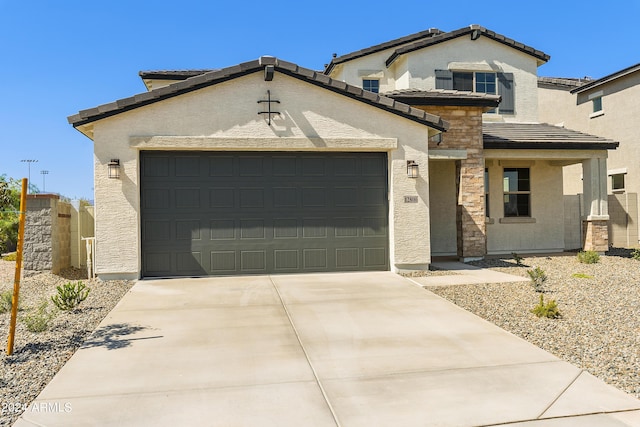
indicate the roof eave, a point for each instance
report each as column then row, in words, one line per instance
column 197, row 82
column 515, row 145
column 606, row 79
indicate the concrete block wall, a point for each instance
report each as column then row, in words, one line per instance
column 47, row 234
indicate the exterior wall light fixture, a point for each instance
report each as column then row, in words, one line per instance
column 114, row 169
column 412, row 169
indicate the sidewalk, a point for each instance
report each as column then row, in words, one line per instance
column 465, row 274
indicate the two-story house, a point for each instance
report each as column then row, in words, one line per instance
column 517, row 205
column 608, row 107
column 424, row 145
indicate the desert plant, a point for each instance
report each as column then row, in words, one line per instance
column 538, row 277
column 635, row 254
column 517, row 258
column 6, row 300
column 581, row 276
column 10, row 257
column 70, row 295
column 588, row 257
column 548, row 310
column 39, row 320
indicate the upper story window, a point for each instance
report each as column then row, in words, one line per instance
column 484, row 82
column 596, row 103
column 475, row 82
column 372, row 85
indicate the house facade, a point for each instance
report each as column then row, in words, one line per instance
column 495, row 174
column 422, row 146
column 608, row 107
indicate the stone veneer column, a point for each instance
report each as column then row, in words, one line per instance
column 595, row 228
column 465, row 133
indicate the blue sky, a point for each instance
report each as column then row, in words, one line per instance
column 59, row 57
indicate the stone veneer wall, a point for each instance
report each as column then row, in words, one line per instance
column 596, row 235
column 465, row 133
column 47, row 234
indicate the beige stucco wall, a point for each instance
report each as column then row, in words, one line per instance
column 546, row 234
column 619, row 122
column 484, row 54
column 313, row 118
column 416, row 70
column 442, row 190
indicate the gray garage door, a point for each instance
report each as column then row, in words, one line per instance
column 256, row 213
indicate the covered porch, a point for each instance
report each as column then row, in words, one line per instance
column 516, row 202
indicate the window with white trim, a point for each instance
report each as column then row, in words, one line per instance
column 517, row 192
column 617, row 182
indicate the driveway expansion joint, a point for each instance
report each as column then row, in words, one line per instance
column 306, row 355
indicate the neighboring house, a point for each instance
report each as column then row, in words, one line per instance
column 608, row 107
column 268, row 167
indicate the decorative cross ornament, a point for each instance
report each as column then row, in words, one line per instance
column 268, row 101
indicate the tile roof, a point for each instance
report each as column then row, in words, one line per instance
column 431, row 37
column 540, row 136
column 214, row 77
column 444, row 97
column 382, row 46
column 567, row 83
column 474, row 31
column 172, row 74
column 607, row 79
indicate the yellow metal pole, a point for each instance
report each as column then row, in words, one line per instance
column 16, row 283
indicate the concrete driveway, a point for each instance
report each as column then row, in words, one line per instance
column 356, row 349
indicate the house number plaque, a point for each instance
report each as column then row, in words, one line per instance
column 411, row 199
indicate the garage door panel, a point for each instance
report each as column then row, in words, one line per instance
column 223, row 261
column 187, row 166
column 221, row 166
column 189, row 263
column 252, row 197
column 286, row 260
column 157, row 166
column 187, row 198
column 347, row 258
column 285, row 228
column 256, row 213
column 253, row 261
column 188, row 229
column 223, row 229
column 222, row 198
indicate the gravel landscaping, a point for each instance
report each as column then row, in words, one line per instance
column 599, row 330
column 38, row 356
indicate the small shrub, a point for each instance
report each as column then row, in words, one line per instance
column 39, row 320
column 518, row 259
column 70, row 295
column 548, row 310
column 588, row 257
column 6, row 300
column 635, row 254
column 538, row 277
column 10, row 257
column 581, row 276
